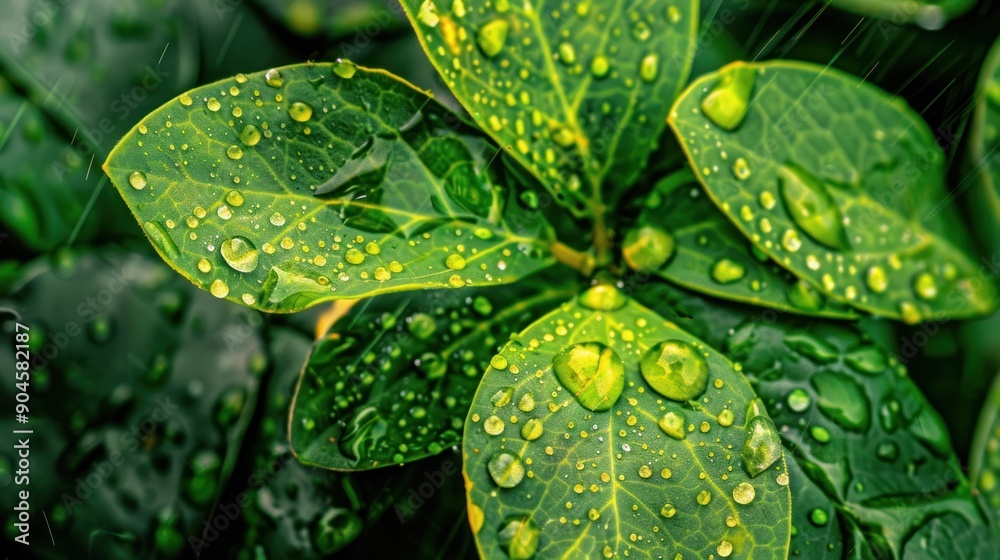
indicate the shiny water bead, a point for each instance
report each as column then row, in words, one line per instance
column 676, row 370
column 591, row 372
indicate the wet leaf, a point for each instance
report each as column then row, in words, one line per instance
column 639, row 440
column 984, row 465
column 854, row 424
column 393, row 380
column 847, row 192
column 285, row 188
column 929, row 14
column 141, row 443
column 711, row 256
column 577, row 93
column 984, row 152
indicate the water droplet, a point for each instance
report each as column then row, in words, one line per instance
column 925, row 286
column 726, row 418
column 506, row 469
column 138, row 180
column 250, row 135
column 213, row 104
column 599, row 67
column 161, row 239
column 726, row 105
column 433, row 365
column 820, row 434
column 492, row 36
column 763, row 444
column 493, row 425
column 741, row 170
column 811, row 347
column 744, row 493
column 519, row 537
column 704, row 497
column 344, row 68
column 649, row 67
column 498, row 362
column 300, row 112
column 726, row 271
column 455, row 261
column 877, row 279
column 668, row 511
column 185, row 100
column 887, row 451
column 819, row 517
column 929, row 429
column 219, row 288
column 527, row 403
column 603, row 297
column 724, row 549
column 502, row 397
column 647, row 248
column 676, row 370
column 234, row 152
column 591, row 372
column 532, row 429
column 204, row 266
column 273, row 78
column 428, row 14
column 805, row 297
column 672, row 424
column 811, row 207
column 354, row 256
column 566, row 53
column 909, row 313
column 240, row 254
column 798, row 400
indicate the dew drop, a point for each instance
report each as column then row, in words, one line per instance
column 161, row 239
column 726, row 271
column 603, row 297
column 493, row 425
column 744, row 493
column 240, row 254
column 300, row 112
column 599, row 67
column 647, row 249
column 591, row 372
column 455, row 261
column 676, row 370
column 213, row 104
column 506, row 469
column 354, row 256
column 273, row 78
column 811, row 207
column 492, row 36
column 138, row 180
column 234, row 152
column 877, row 279
column 741, row 169
column 763, row 444
column 532, row 429
column 798, row 400
column 726, row 105
column 250, row 135
column 925, row 286
column 519, row 537
column 219, row 288
column 344, row 68
column 649, row 67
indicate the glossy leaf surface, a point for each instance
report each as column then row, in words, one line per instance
column 394, row 379
column 855, row 425
column 984, row 469
column 712, row 257
column 984, row 151
column 315, row 182
column 571, row 449
column 576, row 92
column 836, row 181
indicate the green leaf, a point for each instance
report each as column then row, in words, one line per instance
column 316, row 182
column 154, row 429
column 984, row 464
column 577, row 93
column 929, row 14
column 573, row 449
column 845, row 189
column 710, row 256
column 394, row 380
column 854, row 424
column 984, row 152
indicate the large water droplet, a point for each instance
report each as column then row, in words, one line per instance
column 240, row 254
column 763, row 444
column 591, row 372
column 866, row 359
column 649, row 67
column 138, row 180
column 811, row 207
column 744, row 493
column 672, row 424
column 599, row 67
column 492, row 36
column 344, row 68
column 726, row 105
column 300, row 112
column 798, row 400
column 519, row 538
column 273, row 78
column 506, row 469
column 877, row 279
column 603, row 297
column 925, row 286
column 428, row 14
column 161, row 239
column 842, row 399
column 250, row 135
column 647, row 248
column 676, row 370
column 811, row 347
column 727, row 271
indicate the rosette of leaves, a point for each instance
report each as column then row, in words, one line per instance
column 592, row 424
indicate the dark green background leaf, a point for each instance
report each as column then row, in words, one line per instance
column 394, row 379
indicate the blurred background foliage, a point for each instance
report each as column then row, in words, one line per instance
column 162, row 415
